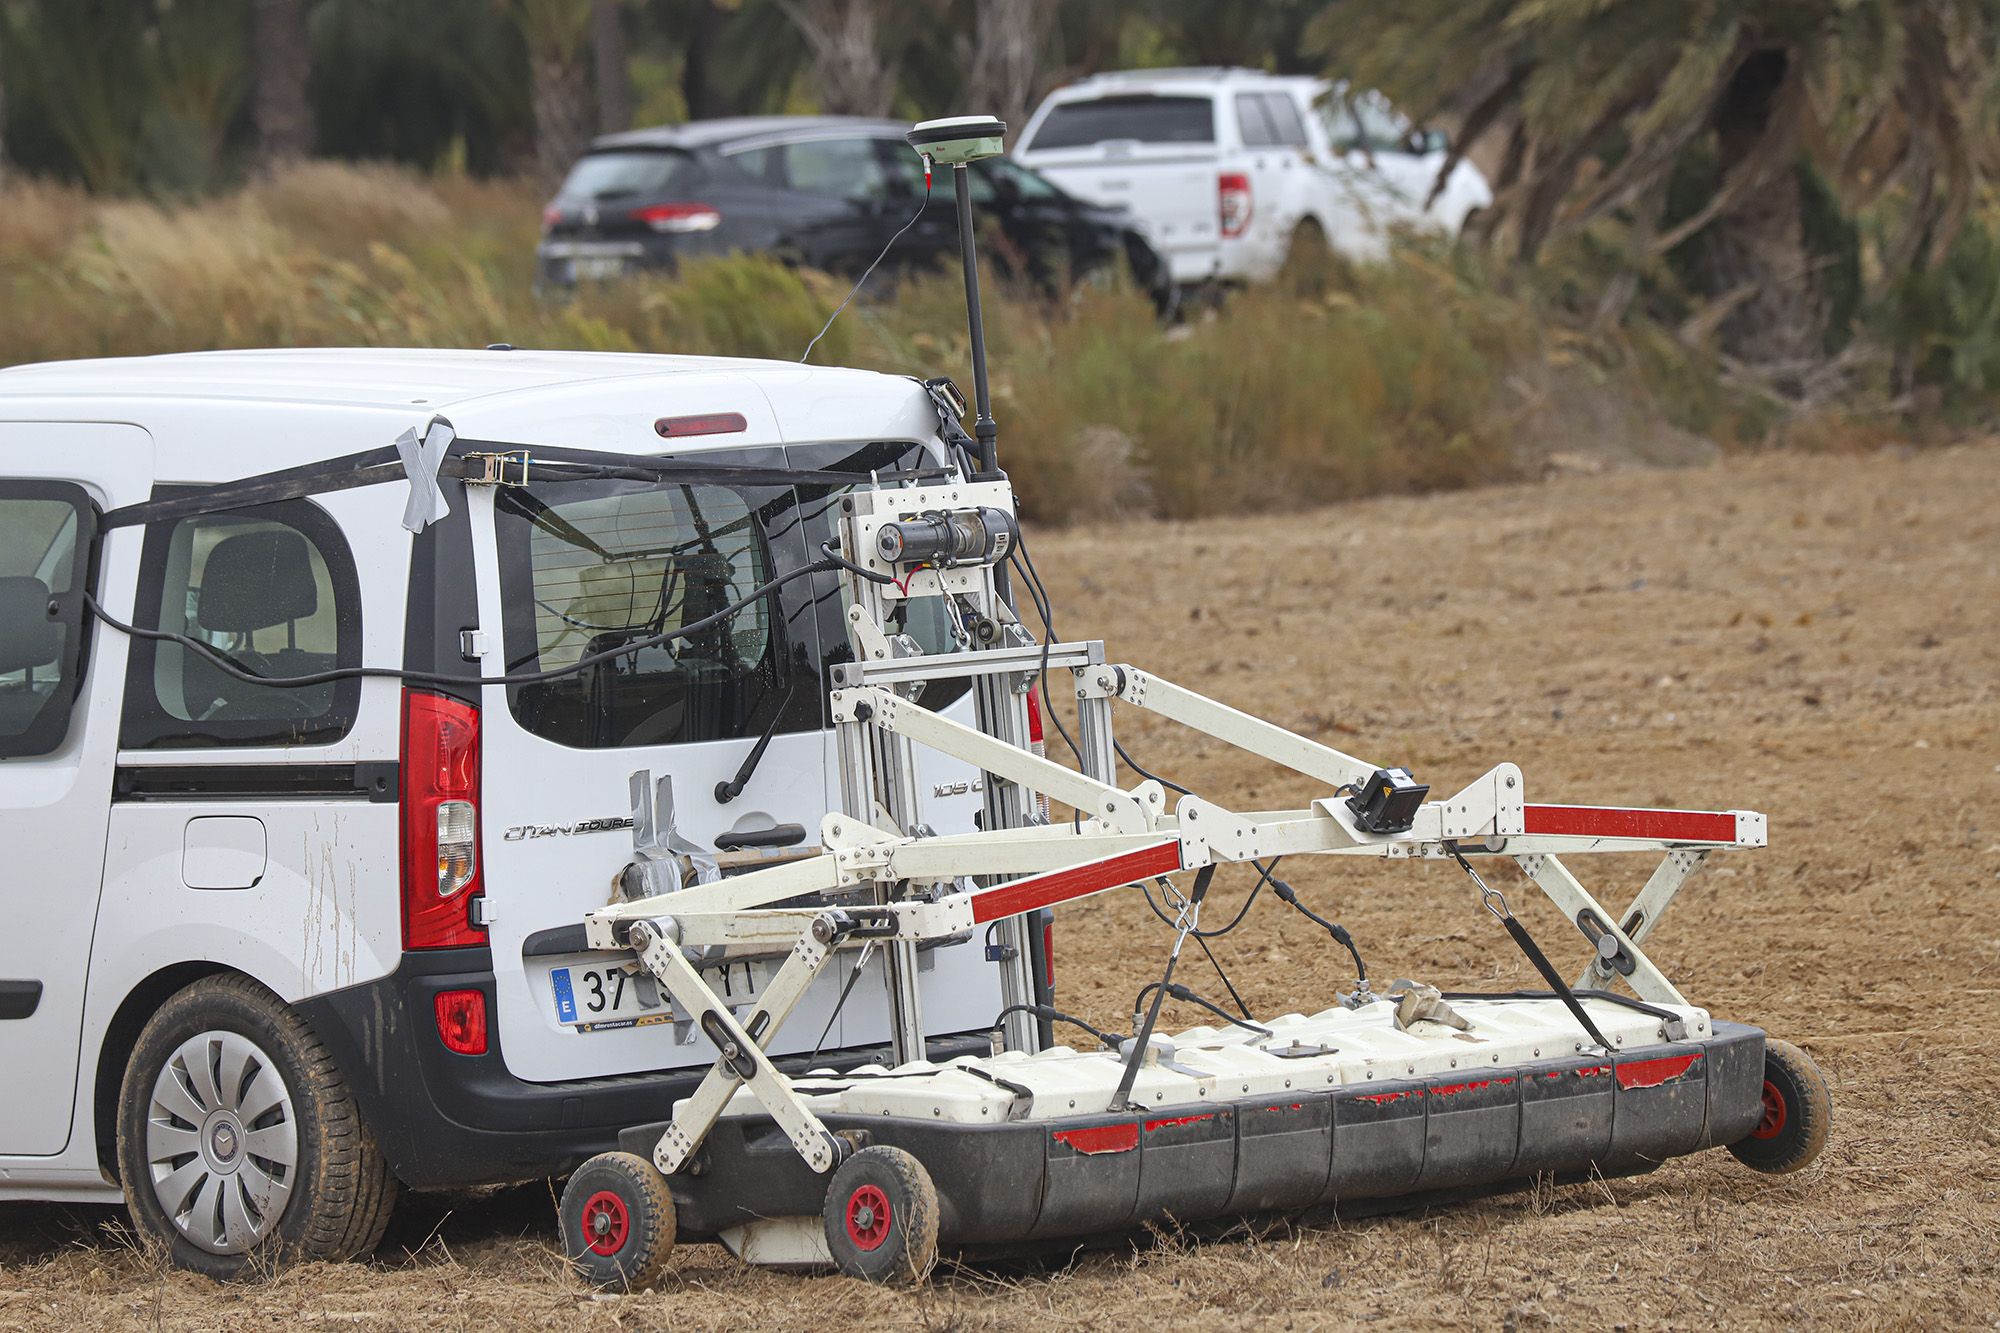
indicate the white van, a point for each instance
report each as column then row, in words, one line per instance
column 1235, row 170
column 272, row 952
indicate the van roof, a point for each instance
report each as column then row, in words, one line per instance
column 357, row 376
column 592, row 400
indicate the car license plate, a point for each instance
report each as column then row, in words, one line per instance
column 604, row 997
column 596, row 267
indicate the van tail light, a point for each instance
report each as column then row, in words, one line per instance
column 1233, row 203
column 1037, row 745
column 461, row 1020
column 678, row 218
column 439, row 799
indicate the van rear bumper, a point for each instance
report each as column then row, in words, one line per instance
column 451, row 1121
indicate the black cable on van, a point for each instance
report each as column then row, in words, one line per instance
column 229, row 666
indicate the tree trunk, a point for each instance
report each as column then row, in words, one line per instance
column 1758, row 247
column 6, row 166
column 613, row 64
column 564, row 109
column 1010, row 43
column 704, row 100
column 853, row 78
column 281, row 60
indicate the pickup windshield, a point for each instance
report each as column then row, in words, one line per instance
column 1145, row 118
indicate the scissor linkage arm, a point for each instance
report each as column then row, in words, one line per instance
column 740, row 1058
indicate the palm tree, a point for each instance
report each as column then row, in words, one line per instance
column 1008, row 63
column 557, row 35
column 281, row 61
column 1747, row 104
column 854, row 77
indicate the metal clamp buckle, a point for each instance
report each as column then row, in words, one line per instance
column 494, row 468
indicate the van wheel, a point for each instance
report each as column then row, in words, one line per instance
column 239, row 1143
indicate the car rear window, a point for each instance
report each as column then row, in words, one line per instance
column 1146, row 118
column 610, row 175
column 590, row 568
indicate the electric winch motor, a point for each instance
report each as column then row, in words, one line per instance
column 981, row 536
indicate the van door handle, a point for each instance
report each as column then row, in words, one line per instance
column 778, row 835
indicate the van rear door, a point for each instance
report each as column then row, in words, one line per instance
column 1153, row 152
column 577, row 569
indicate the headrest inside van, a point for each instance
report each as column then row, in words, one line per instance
column 28, row 638
column 254, row 580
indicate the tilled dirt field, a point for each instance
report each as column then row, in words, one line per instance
column 1818, row 638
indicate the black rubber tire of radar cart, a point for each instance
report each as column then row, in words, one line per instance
column 338, row 1189
column 1797, row 1113
column 618, row 1221
column 881, row 1217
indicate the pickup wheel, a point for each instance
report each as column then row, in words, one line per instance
column 239, row 1144
column 1308, row 267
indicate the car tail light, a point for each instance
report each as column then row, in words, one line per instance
column 461, row 1019
column 1233, row 203
column 1049, row 952
column 551, row 216
column 440, row 810
column 678, row 217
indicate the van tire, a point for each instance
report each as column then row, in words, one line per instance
column 341, row 1191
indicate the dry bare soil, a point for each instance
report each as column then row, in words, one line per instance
column 1818, row 638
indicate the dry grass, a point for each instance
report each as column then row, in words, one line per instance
column 1818, row 637
column 1419, row 375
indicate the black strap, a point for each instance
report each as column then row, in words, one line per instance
column 374, row 467
column 1489, row 897
column 1549, row 974
column 1121, row 1100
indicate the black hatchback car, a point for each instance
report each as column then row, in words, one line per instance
column 823, row 191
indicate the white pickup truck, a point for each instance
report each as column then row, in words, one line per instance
column 1232, row 170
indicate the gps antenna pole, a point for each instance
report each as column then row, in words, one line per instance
column 984, row 428
column 957, row 142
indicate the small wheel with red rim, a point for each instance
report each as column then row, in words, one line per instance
column 1797, row 1113
column 618, row 1221
column 881, row 1217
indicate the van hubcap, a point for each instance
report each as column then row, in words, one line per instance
column 222, row 1142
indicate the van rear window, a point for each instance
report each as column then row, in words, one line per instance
column 1146, row 119
column 600, row 567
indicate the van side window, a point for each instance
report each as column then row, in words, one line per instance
column 591, row 567
column 43, row 569
column 273, row 590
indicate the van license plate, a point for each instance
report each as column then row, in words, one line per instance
column 606, row 998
